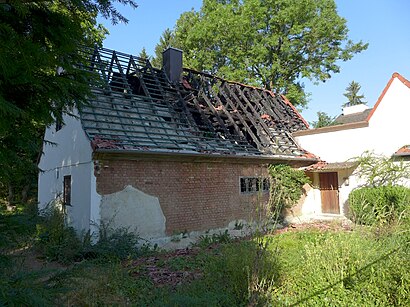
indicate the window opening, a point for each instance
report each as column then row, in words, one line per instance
column 67, row 191
column 249, row 185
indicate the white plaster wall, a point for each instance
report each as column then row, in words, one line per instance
column 70, row 154
column 386, row 133
column 337, row 146
column 135, row 211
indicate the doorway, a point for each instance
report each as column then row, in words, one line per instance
column 329, row 192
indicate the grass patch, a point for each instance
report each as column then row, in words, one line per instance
column 338, row 268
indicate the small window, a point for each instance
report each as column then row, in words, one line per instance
column 67, row 191
column 251, row 185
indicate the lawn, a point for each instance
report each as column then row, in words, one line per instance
column 317, row 265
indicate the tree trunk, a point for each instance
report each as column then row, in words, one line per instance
column 10, row 197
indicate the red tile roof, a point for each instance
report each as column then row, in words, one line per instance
column 324, row 166
column 403, row 151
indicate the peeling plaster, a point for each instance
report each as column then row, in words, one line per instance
column 133, row 209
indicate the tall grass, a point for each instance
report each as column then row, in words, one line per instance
column 363, row 267
column 360, row 268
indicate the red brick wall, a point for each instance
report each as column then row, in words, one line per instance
column 193, row 195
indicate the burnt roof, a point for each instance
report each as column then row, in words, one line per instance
column 353, row 118
column 138, row 109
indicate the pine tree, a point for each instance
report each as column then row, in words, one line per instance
column 167, row 40
column 352, row 94
column 144, row 55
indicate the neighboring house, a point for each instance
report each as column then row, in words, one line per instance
column 167, row 151
column 384, row 130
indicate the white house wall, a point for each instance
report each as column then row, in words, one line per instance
column 389, row 124
column 71, row 154
column 387, row 131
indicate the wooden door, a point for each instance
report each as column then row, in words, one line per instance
column 329, row 192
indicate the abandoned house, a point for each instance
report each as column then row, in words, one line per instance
column 166, row 151
column 382, row 130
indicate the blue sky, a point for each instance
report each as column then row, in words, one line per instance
column 384, row 24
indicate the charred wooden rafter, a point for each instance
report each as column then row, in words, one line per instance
column 139, row 109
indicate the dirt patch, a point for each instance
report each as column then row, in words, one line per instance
column 30, row 260
column 319, row 225
column 169, row 269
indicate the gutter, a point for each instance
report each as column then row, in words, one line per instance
column 355, row 125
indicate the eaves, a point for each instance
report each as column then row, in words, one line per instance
column 113, row 154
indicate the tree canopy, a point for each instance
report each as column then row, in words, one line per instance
column 41, row 43
column 352, row 95
column 268, row 43
column 323, row 120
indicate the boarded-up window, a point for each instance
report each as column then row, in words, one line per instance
column 67, row 191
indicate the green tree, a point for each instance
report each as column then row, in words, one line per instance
column 41, row 52
column 166, row 40
column 269, row 43
column 323, row 120
column 352, row 94
column 378, row 170
column 144, row 55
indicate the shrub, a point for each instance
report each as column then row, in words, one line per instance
column 55, row 240
column 114, row 244
column 58, row 242
column 286, row 187
column 217, row 238
column 379, row 205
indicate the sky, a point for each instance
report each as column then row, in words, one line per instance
column 384, row 24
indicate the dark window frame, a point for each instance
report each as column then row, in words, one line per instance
column 67, row 190
column 253, row 185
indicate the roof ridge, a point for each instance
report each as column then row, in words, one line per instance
column 394, row 75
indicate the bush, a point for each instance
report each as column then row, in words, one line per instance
column 379, row 205
column 114, row 244
column 58, row 242
column 286, row 187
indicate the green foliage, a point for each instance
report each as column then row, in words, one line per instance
column 380, row 205
column 334, row 268
column 56, row 241
column 144, row 55
column 166, row 40
column 96, row 283
column 216, row 238
column 323, row 120
column 269, row 43
column 338, row 268
column 352, row 94
column 115, row 244
column 16, row 229
column 381, row 170
column 20, row 288
column 286, row 186
column 40, row 77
